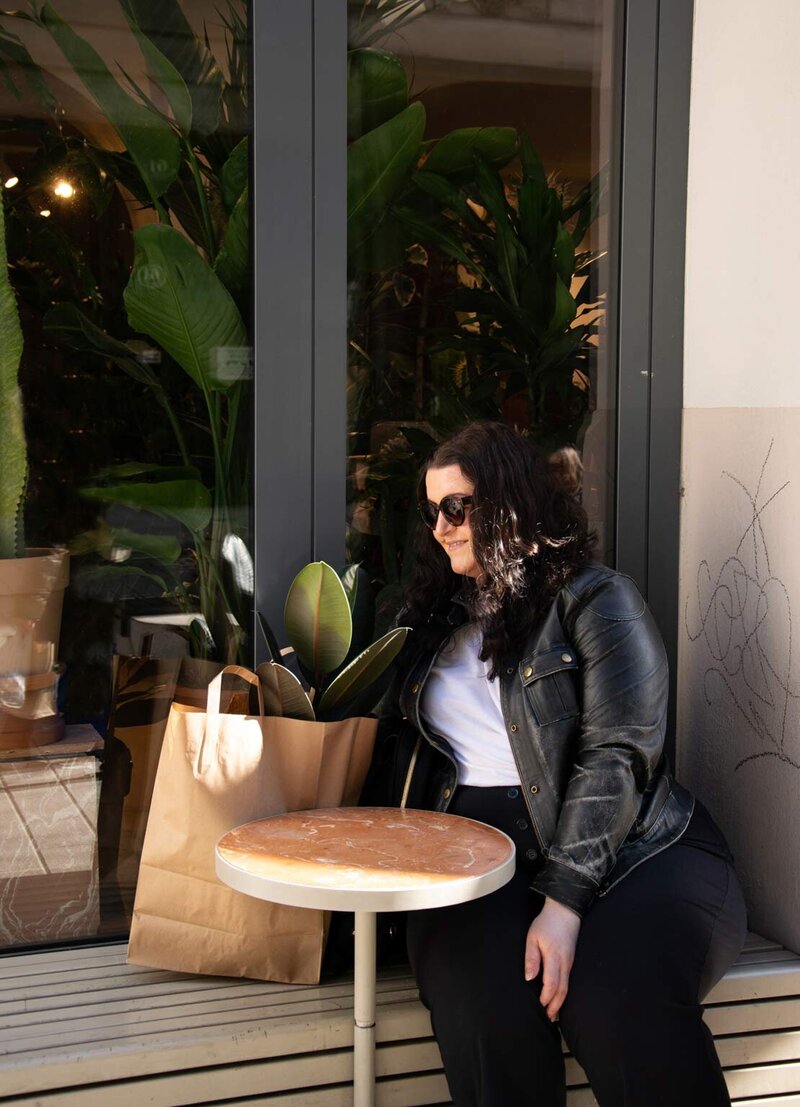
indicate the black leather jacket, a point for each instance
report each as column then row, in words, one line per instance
column 585, row 706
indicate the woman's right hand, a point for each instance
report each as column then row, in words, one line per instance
column 550, row 946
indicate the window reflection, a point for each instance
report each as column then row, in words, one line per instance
column 124, row 162
column 479, row 137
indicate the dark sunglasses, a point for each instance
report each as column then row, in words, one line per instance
column 452, row 507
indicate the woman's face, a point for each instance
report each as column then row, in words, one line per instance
column 456, row 541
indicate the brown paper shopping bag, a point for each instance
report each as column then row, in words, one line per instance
column 217, row 771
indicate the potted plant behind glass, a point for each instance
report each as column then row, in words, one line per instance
column 32, row 581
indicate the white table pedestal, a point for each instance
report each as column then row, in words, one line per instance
column 365, row 859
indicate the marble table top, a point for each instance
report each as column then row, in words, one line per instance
column 366, row 858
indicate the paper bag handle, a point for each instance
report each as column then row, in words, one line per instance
column 208, row 750
column 215, row 688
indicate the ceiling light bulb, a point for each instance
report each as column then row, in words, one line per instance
column 63, row 189
column 45, row 212
column 11, row 182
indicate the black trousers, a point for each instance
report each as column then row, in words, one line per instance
column 647, row 954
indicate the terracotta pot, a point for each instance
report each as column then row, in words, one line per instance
column 31, row 597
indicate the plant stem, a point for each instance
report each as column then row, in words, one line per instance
column 201, row 196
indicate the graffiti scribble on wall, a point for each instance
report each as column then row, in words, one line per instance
column 744, row 616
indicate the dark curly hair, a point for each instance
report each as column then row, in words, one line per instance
column 530, row 536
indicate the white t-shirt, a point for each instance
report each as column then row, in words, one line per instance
column 461, row 704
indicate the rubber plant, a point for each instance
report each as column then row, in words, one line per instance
column 185, row 157
column 328, row 621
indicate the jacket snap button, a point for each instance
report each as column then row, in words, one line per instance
column 513, row 728
column 534, row 789
column 527, row 671
column 566, row 657
column 414, row 689
column 530, row 854
column 510, row 670
column 446, row 793
column 521, row 824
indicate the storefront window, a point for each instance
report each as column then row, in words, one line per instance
column 479, row 142
column 126, row 575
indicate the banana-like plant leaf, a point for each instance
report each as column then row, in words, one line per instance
column 377, row 90
column 564, row 254
column 378, row 164
column 176, row 298
column 13, row 50
column 150, row 469
column 188, row 501
column 510, row 252
column 150, row 140
column 233, row 260
column 430, row 233
column 448, row 195
column 318, row 620
column 162, row 72
column 455, row 153
column 563, row 312
column 361, row 673
column 284, row 695
column 235, row 174
column 13, row 447
column 109, row 541
column 165, row 25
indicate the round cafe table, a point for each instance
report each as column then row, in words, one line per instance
column 365, row 859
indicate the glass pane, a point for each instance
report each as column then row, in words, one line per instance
column 478, row 160
column 125, row 458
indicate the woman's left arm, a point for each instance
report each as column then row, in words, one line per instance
column 623, row 686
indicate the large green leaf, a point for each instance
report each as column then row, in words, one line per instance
column 162, row 72
column 455, row 153
column 13, row 50
column 13, row 450
column 377, row 90
column 431, row 233
column 233, row 260
column 150, row 140
column 378, row 165
column 510, row 252
column 284, row 695
column 317, row 619
column 188, row 501
column 235, row 174
column 176, row 298
column 361, row 673
column 165, row 25
column 564, row 255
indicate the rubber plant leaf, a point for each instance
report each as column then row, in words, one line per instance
column 162, row 72
column 361, row 673
column 358, row 588
column 176, row 298
column 284, row 695
column 13, row 447
column 149, row 139
column 188, row 501
column 233, row 260
column 378, row 165
column 455, row 153
column 318, row 620
column 235, row 174
column 166, row 26
column 377, row 90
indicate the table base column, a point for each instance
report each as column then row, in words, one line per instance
column 364, row 1011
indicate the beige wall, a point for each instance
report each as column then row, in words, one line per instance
column 739, row 642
